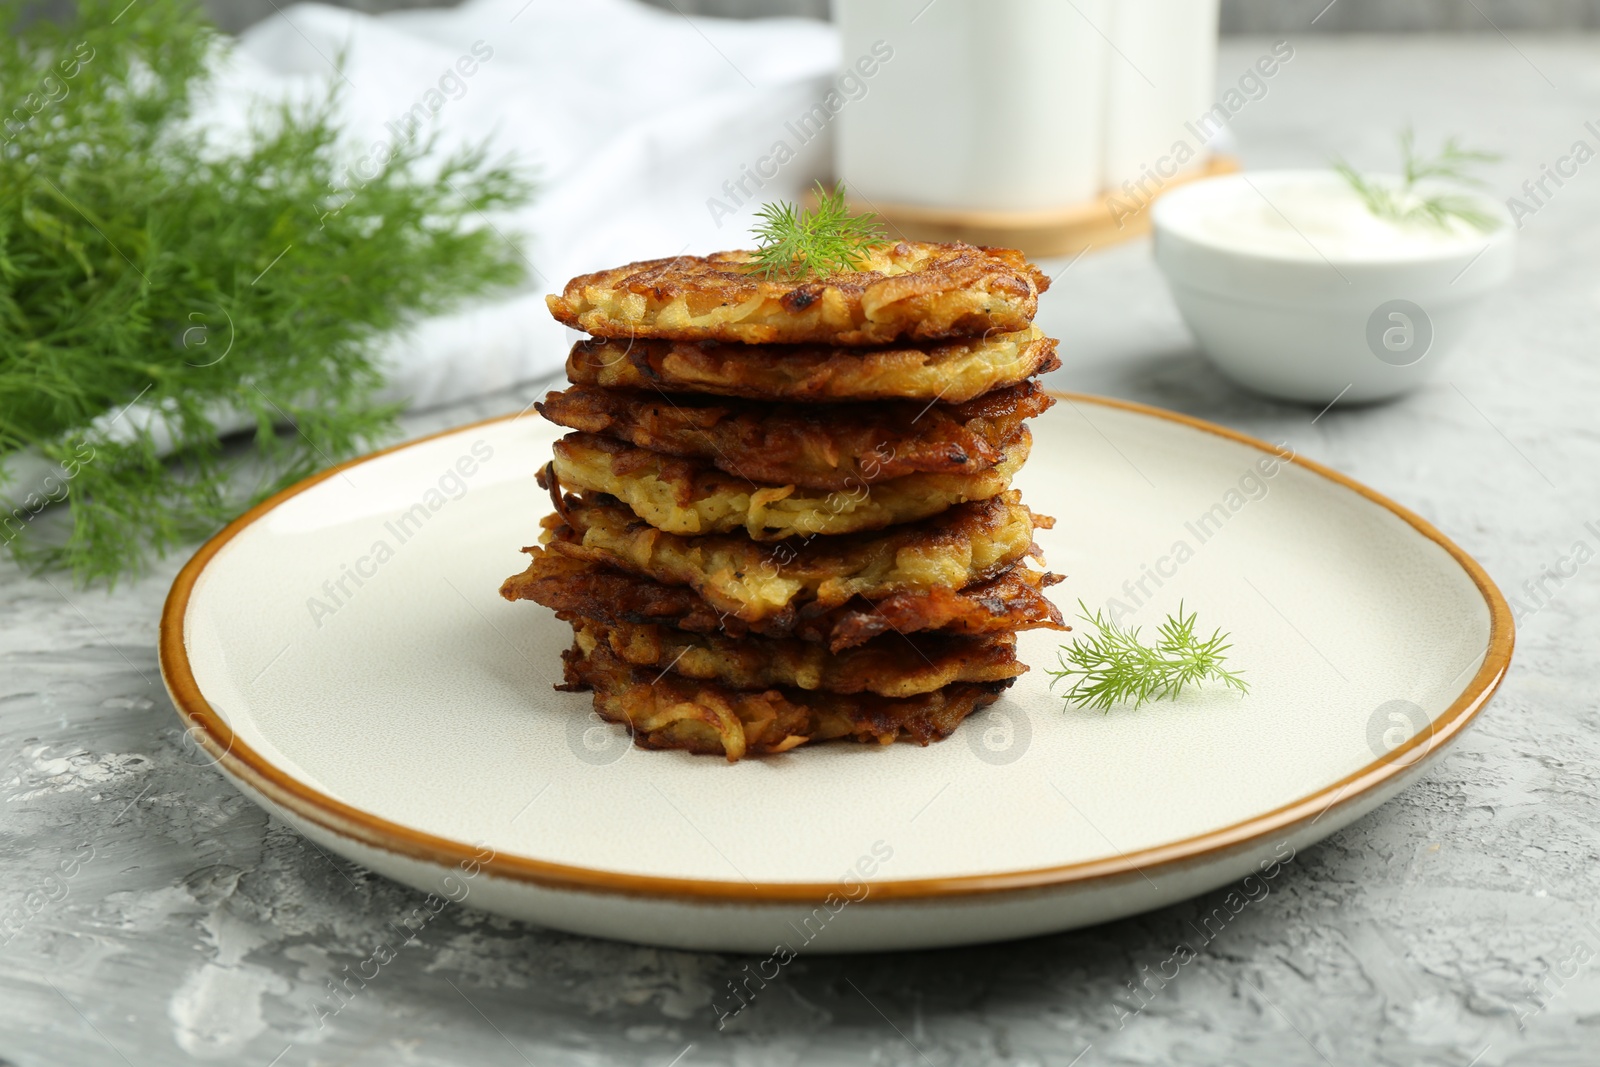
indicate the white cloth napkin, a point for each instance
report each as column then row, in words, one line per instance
column 632, row 118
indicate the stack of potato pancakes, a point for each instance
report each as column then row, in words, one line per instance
column 785, row 513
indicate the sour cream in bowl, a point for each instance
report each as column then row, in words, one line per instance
column 1296, row 289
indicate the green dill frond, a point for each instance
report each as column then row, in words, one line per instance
column 828, row 240
column 1409, row 202
column 1110, row 665
column 1453, row 163
column 137, row 261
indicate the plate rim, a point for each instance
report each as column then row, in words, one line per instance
column 242, row 763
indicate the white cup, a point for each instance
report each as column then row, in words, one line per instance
column 1161, row 76
column 992, row 105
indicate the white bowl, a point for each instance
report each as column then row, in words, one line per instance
column 1295, row 290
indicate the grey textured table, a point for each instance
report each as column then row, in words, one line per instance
column 195, row 927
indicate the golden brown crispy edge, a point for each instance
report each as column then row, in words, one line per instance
column 669, row 712
column 909, row 289
column 891, row 665
column 758, row 580
column 1012, row 600
column 823, row 446
column 951, row 372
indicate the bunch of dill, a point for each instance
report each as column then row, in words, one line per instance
column 138, row 262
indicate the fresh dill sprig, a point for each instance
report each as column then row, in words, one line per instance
column 795, row 243
column 1112, row 666
column 1409, row 202
column 139, row 261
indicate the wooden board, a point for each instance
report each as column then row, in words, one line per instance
column 1067, row 231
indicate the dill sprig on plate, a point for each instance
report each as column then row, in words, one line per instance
column 828, row 239
column 1112, row 666
column 140, row 261
column 1435, row 206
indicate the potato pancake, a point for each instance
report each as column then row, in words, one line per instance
column 914, row 290
column 832, row 447
column 1012, row 600
column 752, row 581
column 669, row 711
column 950, row 371
column 891, row 666
column 684, row 496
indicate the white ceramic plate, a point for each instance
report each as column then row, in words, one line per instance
column 342, row 654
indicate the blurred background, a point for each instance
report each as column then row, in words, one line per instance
column 1238, row 16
